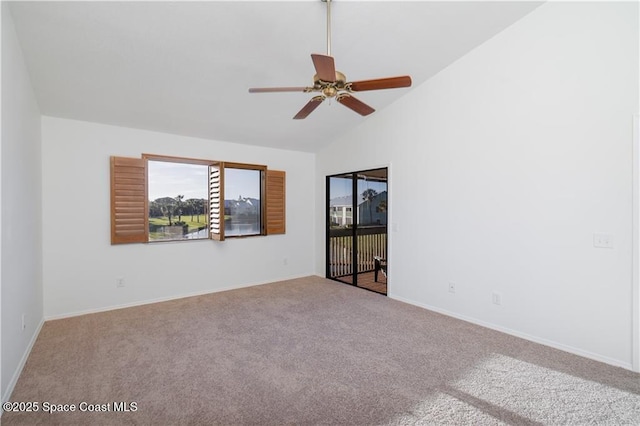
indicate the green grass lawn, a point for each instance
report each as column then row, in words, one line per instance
column 198, row 221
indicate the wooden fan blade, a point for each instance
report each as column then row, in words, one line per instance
column 325, row 67
column 309, row 107
column 354, row 104
column 276, row 89
column 381, row 83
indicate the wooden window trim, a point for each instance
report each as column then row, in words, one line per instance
column 263, row 171
column 230, row 165
column 184, row 160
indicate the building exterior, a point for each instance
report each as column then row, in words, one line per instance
column 373, row 211
column 340, row 210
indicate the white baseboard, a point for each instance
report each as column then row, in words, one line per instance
column 166, row 299
column 535, row 339
column 21, row 364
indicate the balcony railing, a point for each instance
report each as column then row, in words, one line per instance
column 371, row 241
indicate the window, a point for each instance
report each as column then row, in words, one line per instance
column 242, row 202
column 160, row 198
column 177, row 200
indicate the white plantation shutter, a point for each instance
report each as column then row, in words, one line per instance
column 216, row 201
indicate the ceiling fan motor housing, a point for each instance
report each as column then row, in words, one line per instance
column 330, row 88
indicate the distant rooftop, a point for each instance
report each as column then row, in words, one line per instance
column 347, row 200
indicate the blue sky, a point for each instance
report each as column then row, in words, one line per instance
column 191, row 180
column 245, row 183
column 341, row 187
column 168, row 179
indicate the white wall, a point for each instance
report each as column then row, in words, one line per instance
column 21, row 253
column 80, row 264
column 503, row 166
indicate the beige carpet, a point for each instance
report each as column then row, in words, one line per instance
column 310, row 351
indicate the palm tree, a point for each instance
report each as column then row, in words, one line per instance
column 368, row 195
column 200, row 205
column 167, row 207
column 191, row 206
column 179, row 206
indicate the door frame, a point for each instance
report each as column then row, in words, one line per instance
column 635, row 249
column 355, row 220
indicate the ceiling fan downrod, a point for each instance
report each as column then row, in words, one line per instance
column 328, row 2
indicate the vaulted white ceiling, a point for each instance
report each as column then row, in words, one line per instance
column 185, row 67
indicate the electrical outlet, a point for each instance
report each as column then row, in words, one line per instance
column 602, row 240
column 496, row 298
column 285, row 261
column 452, row 287
column 24, row 322
column 119, row 282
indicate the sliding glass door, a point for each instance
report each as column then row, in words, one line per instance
column 357, row 205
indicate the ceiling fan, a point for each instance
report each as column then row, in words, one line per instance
column 333, row 84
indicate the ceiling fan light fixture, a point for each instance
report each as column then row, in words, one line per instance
column 329, row 91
